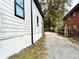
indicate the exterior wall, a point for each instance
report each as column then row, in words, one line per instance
column 0, row 20
column 73, row 23
column 73, row 18
column 37, row 31
column 15, row 33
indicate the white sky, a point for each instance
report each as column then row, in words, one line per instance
column 74, row 3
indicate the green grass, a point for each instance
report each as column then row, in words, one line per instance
column 36, row 51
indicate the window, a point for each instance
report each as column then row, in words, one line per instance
column 69, row 18
column 37, row 21
column 75, row 27
column 19, row 9
column 74, row 14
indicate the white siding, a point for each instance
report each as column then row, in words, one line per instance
column 15, row 33
column 37, row 29
column 12, row 24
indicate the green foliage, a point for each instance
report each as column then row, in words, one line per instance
column 46, row 22
column 55, row 9
column 55, row 12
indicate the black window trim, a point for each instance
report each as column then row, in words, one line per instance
column 37, row 21
column 21, row 7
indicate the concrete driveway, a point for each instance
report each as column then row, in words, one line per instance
column 59, row 48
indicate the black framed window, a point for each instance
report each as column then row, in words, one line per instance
column 37, row 21
column 19, row 9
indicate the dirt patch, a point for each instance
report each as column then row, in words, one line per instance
column 36, row 51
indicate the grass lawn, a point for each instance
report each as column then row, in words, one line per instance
column 36, row 51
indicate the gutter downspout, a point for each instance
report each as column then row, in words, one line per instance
column 31, row 23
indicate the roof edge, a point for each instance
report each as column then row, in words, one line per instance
column 39, row 7
column 73, row 9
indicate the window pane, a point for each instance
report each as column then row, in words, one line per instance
column 19, row 11
column 20, row 2
column 37, row 21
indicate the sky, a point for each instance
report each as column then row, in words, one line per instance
column 73, row 4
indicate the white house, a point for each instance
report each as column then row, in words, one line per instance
column 21, row 24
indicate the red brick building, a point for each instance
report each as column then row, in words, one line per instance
column 71, row 21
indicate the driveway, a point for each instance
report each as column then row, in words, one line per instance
column 59, row 48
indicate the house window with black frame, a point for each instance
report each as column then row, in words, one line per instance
column 19, row 9
column 37, row 21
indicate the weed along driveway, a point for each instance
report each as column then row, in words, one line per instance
column 59, row 48
column 51, row 46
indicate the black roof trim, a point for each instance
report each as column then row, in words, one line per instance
column 39, row 7
column 66, row 17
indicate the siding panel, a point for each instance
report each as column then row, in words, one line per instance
column 15, row 33
column 11, row 24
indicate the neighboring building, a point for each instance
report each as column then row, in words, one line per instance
column 21, row 24
column 71, row 21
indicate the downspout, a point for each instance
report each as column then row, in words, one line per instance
column 31, row 23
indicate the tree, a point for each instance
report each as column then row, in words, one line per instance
column 54, row 12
